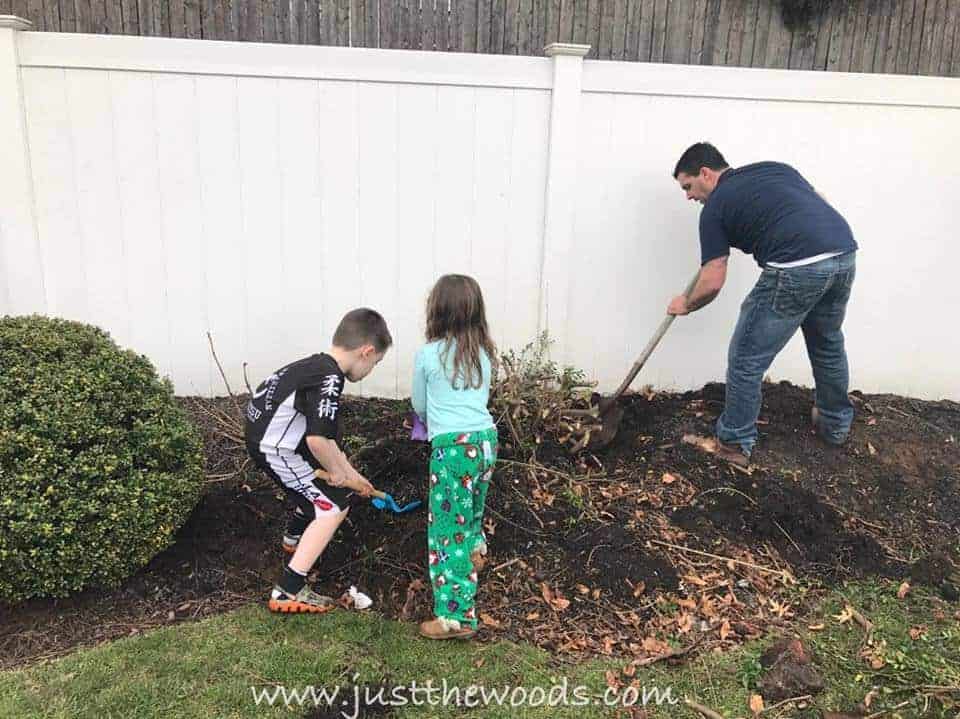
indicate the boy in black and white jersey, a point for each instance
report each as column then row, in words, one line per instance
column 292, row 428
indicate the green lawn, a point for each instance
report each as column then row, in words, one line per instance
column 208, row 669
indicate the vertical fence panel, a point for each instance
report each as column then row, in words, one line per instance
column 218, row 142
column 338, row 231
column 511, row 22
column 57, row 206
column 469, row 12
column 90, row 113
column 949, row 62
column 592, row 24
column 418, row 197
column 916, row 34
column 619, row 29
column 139, row 190
column 483, row 25
column 184, row 237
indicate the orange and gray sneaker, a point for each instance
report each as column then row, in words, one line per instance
column 290, row 543
column 306, row 600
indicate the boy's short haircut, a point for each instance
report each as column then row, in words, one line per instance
column 363, row 326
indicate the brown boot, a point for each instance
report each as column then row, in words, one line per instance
column 441, row 628
column 733, row 454
column 727, row 452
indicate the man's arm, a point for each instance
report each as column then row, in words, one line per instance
column 709, row 283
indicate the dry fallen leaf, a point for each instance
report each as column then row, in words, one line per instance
column 694, row 579
column 489, row 621
column 707, row 607
column 532, row 616
column 668, row 478
column 639, row 589
column 845, row 615
column 756, row 703
column 871, row 449
column 917, row 632
column 817, row 627
column 902, row 591
column 612, row 680
column 479, row 662
column 651, row 645
column 725, row 630
column 781, row 610
column 872, row 421
column 583, row 589
column 684, row 622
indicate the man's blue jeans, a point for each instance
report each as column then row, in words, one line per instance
column 812, row 298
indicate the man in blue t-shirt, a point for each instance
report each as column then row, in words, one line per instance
column 807, row 253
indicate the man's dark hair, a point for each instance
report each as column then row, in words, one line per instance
column 362, row 326
column 703, row 154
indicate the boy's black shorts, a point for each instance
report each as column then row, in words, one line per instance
column 312, row 497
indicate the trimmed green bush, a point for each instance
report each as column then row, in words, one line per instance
column 98, row 464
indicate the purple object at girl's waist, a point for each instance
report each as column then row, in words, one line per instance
column 418, row 430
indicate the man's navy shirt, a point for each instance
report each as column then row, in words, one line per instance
column 769, row 211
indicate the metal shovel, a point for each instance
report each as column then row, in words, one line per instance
column 606, row 412
column 381, row 500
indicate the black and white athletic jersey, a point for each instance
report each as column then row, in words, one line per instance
column 297, row 401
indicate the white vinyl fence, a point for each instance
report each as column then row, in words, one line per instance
column 165, row 188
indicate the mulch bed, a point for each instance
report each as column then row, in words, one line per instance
column 645, row 546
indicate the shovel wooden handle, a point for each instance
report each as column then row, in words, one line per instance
column 325, row 476
column 651, row 346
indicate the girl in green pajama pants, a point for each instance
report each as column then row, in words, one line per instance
column 451, row 388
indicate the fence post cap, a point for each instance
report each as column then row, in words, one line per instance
column 565, row 48
column 13, row 22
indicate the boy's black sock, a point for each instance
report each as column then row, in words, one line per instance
column 292, row 581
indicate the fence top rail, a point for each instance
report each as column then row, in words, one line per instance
column 741, row 83
column 312, row 62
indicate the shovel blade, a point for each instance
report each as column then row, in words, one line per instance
column 610, row 419
column 390, row 503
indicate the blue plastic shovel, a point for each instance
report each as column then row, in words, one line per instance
column 381, row 500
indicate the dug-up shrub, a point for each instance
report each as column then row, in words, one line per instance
column 98, row 465
column 530, row 396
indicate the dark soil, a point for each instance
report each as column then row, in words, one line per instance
column 579, row 560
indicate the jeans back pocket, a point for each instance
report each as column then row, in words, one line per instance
column 798, row 291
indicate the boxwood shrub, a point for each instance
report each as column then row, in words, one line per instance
column 99, row 466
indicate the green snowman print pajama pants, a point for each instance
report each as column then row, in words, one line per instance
column 461, row 465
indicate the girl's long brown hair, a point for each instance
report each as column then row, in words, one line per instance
column 455, row 313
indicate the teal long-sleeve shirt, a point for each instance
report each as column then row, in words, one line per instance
column 441, row 406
